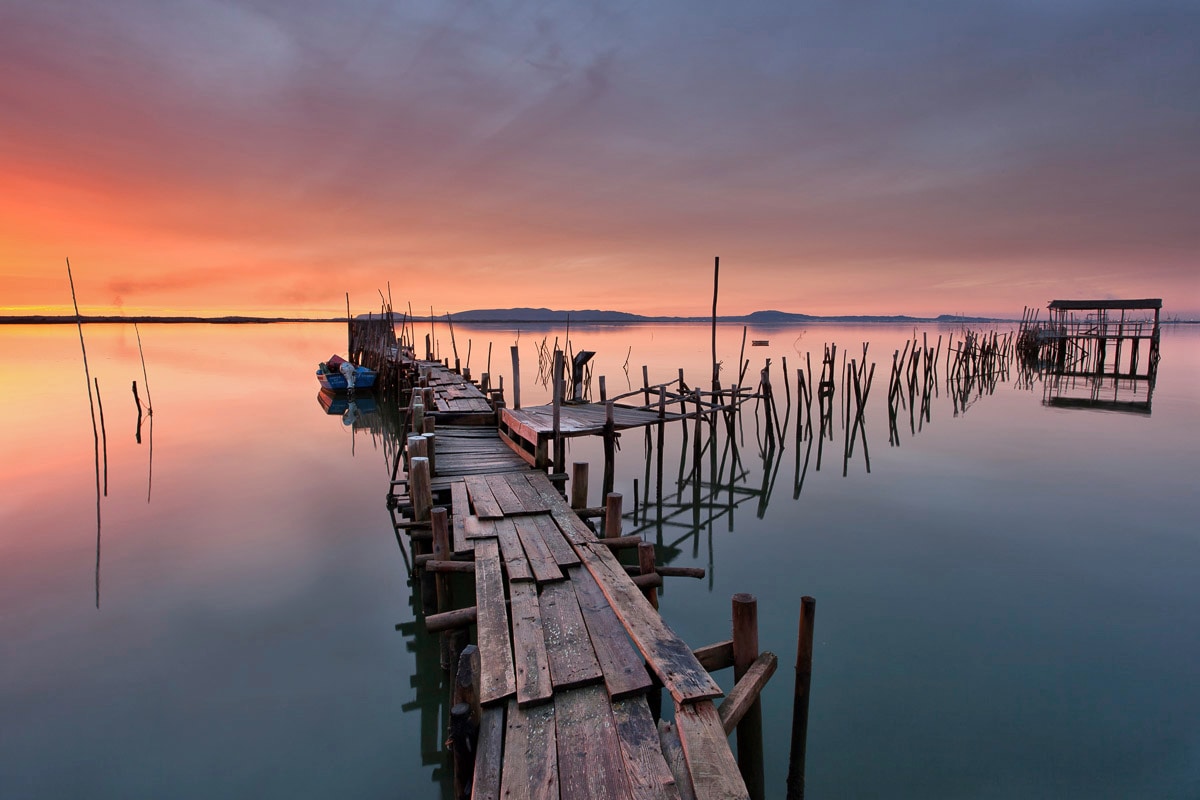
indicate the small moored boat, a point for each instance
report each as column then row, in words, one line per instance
column 339, row 375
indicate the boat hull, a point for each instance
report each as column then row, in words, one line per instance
column 336, row 382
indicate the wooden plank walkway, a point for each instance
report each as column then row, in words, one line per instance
column 569, row 645
column 456, row 401
column 581, row 636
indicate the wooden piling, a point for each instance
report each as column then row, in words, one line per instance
column 612, row 515
column 804, row 654
column 516, row 376
column 579, row 484
column 419, row 488
column 647, row 567
column 749, row 730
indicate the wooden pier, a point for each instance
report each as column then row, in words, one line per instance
column 572, row 656
column 1097, row 354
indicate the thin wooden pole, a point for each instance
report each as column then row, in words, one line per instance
column 516, row 376
column 804, row 655
column 103, row 434
column 716, row 368
column 95, row 431
column 749, row 730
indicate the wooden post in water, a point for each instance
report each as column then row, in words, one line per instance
column 647, row 567
column 430, row 443
column 516, row 376
column 579, row 484
column 749, row 730
column 612, row 515
column 804, row 654
column 716, row 367
column 610, row 446
column 419, row 488
column 559, row 456
column 418, row 415
column 442, row 552
column 465, row 713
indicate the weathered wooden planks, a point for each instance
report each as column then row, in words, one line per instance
column 529, row 646
column 515, row 562
column 624, row 672
column 670, row 658
column 506, row 498
column 488, row 764
column 590, row 762
column 482, row 498
column 460, row 508
column 541, row 560
column 647, row 770
column 564, row 554
column 572, row 658
column 497, row 679
column 530, row 754
column 530, row 498
column 714, row 770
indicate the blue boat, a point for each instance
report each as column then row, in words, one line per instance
column 339, row 375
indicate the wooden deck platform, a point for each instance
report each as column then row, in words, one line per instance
column 529, row 431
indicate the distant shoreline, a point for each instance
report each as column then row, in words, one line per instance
column 540, row 317
column 467, row 319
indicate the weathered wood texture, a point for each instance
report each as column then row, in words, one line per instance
column 530, row 754
column 529, row 646
column 647, row 770
column 495, row 647
column 590, row 761
column 573, row 660
column 714, row 771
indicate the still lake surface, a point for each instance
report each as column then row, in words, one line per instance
column 1008, row 601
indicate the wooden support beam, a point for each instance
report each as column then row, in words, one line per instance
column 746, row 691
column 715, row 656
column 458, row 618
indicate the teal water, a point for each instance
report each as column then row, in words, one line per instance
column 1006, row 601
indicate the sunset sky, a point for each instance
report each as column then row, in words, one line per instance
column 841, row 157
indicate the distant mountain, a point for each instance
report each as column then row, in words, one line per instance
column 767, row 317
column 544, row 315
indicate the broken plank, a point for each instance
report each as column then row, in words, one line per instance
column 485, row 503
column 647, row 770
column 572, row 657
column 530, row 754
column 497, row 680
column 590, row 762
column 714, row 770
column 529, row 646
column 624, row 671
column 672, row 749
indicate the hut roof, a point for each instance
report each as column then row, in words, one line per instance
column 1088, row 305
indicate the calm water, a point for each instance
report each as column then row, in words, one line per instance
column 1007, row 602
